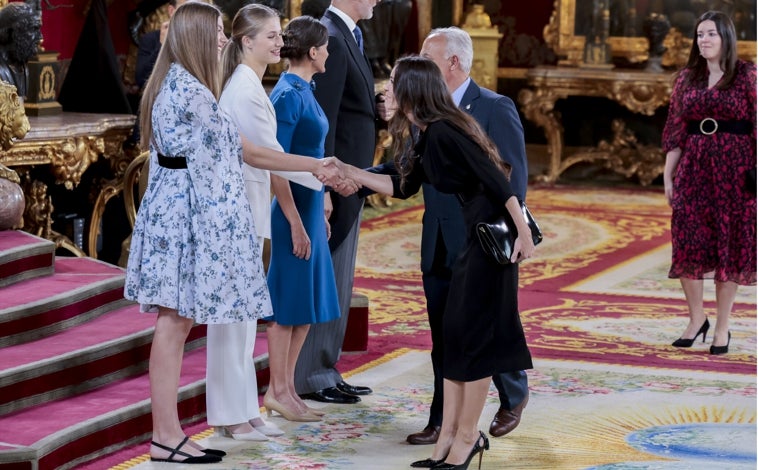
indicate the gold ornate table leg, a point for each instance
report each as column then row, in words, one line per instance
column 119, row 160
column 539, row 107
column 38, row 216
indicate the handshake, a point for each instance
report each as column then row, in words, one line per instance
column 340, row 176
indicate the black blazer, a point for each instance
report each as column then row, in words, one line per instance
column 147, row 54
column 442, row 212
column 346, row 93
column 498, row 117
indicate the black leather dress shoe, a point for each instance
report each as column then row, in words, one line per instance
column 506, row 421
column 429, row 435
column 345, row 387
column 331, row 395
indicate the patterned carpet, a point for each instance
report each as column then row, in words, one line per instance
column 607, row 390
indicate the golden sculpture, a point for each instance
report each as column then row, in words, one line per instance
column 477, row 18
column 13, row 121
column 13, row 126
column 677, row 49
column 8, row 174
column 73, row 157
column 39, row 209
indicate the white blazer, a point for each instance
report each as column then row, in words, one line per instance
column 245, row 100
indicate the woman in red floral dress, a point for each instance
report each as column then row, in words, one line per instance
column 710, row 145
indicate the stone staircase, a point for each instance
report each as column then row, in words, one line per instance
column 73, row 360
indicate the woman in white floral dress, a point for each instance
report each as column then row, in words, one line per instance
column 194, row 255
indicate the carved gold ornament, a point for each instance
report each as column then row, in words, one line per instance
column 13, row 121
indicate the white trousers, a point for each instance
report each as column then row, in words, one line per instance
column 231, row 390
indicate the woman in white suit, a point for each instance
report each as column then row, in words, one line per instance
column 231, row 387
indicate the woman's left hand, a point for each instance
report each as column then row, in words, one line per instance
column 523, row 248
column 301, row 243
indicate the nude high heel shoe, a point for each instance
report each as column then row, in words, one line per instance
column 272, row 404
column 315, row 411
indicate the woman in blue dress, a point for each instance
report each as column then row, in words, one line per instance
column 300, row 277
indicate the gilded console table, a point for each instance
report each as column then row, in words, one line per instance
column 640, row 92
column 68, row 143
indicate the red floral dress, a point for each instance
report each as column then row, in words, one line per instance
column 713, row 223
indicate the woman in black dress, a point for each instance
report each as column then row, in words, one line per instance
column 482, row 329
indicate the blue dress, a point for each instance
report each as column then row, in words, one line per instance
column 194, row 247
column 302, row 291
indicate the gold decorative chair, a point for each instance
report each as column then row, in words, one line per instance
column 132, row 176
column 126, row 185
column 135, row 175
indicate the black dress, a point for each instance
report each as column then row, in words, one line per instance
column 482, row 329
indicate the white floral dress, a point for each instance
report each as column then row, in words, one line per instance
column 194, row 247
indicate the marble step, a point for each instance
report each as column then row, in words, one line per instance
column 24, row 256
column 79, row 290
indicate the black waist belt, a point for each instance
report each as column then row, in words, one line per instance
column 174, row 163
column 710, row 126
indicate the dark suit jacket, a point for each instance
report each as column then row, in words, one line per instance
column 147, row 54
column 498, row 117
column 346, row 93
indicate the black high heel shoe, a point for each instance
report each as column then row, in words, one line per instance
column 722, row 349
column 686, row 343
column 477, row 449
column 427, row 463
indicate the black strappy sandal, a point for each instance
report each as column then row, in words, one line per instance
column 207, row 458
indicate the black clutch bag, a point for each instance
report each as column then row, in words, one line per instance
column 497, row 238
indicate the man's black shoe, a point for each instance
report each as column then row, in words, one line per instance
column 345, row 387
column 331, row 395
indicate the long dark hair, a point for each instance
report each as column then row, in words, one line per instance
column 697, row 66
column 419, row 88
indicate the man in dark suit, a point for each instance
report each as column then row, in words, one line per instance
column 150, row 45
column 346, row 93
column 443, row 228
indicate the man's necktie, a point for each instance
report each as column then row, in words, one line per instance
column 358, row 37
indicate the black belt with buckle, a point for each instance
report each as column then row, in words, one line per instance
column 173, row 163
column 710, row 126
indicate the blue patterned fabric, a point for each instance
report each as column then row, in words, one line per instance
column 194, row 246
column 302, row 291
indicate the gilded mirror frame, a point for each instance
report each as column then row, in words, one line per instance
column 560, row 36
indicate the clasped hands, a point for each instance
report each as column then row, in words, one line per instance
column 337, row 174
